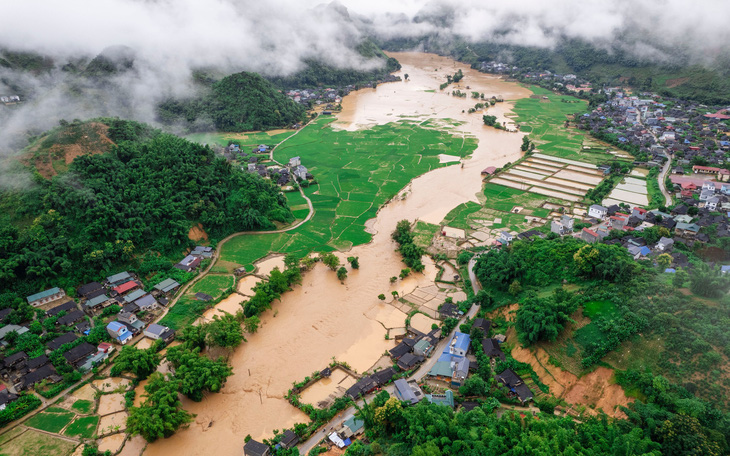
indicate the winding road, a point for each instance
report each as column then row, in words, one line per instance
column 662, row 177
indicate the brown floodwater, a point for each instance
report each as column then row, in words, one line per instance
column 324, row 318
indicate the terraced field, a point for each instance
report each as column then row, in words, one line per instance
column 557, row 177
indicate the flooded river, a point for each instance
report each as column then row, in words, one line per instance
column 323, row 318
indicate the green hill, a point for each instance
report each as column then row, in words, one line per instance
column 239, row 102
column 113, row 209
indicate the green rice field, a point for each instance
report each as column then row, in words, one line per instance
column 51, row 421
column 188, row 309
column 243, row 139
column 356, row 172
column 84, row 427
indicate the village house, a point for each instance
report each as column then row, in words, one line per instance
column 5, row 313
column 46, row 296
column 687, row 230
column 130, row 320
column 489, row 170
column 564, row 226
column 352, row 427
column 7, row 329
column 70, row 318
column 459, row 344
column 6, row 397
column 90, row 290
column 159, row 332
column 77, row 355
column 446, row 399
column 146, row 303
column 492, row 349
column 119, row 332
column 589, row 236
column 505, row 237
column 288, row 439
column 97, row 303
column 409, row 361
column 56, row 343
column 135, row 295
column 126, row 286
column 597, row 212
column 482, row 325
column 67, row 306
column 515, row 385
column 167, row 286
column 664, row 244
column 189, row 263
column 408, row 391
column 449, row 310
column 254, row 448
column 295, row 161
column 202, row 251
column 118, row 279
column 47, row 372
column 422, row 348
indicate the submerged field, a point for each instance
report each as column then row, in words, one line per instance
column 356, row 172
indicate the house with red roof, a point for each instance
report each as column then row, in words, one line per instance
column 126, row 286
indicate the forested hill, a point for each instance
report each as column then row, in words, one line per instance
column 111, row 209
column 239, row 102
column 319, row 74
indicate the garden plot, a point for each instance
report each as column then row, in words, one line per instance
column 631, row 191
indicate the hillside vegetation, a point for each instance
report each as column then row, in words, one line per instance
column 110, row 209
column 239, row 102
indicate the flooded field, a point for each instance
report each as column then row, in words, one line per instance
column 323, row 318
column 336, row 385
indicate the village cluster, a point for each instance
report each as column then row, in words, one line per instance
column 259, row 162
column 134, row 317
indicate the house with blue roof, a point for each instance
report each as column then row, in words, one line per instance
column 119, row 332
column 459, row 344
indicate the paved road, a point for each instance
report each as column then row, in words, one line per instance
column 662, row 177
column 475, row 285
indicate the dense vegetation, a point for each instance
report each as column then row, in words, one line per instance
column 239, row 102
column 408, row 249
column 110, row 209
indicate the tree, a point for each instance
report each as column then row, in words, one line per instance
column 708, row 282
column 330, row 260
column 161, row 414
column 515, row 288
column 449, row 324
column 395, row 294
column 341, row 273
column 543, row 319
column 489, row 120
column 381, row 296
column 405, row 76
column 141, row 363
column 404, row 273
column 251, row 324
column 680, row 277
column 525, row 144
column 474, row 386
column 224, row 331
column 464, row 257
column 664, row 260
column 354, row 262
column 197, row 373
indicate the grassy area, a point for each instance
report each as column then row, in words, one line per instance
column 36, row 443
column 544, row 119
column 356, row 173
column 594, row 309
column 423, row 233
column 244, row 139
column 84, row 427
column 188, row 308
column 50, row 421
column 83, row 406
column 500, row 201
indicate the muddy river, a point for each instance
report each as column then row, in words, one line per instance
column 323, row 318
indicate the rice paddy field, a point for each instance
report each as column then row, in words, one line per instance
column 544, row 120
column 356, row 172
column 270, row 138
column 188, row 308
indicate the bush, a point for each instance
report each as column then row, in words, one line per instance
column 25, row 404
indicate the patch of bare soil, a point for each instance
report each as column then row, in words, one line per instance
column 676, row 82
column 507, row 312
column 197, row 233
column 593, row 389
column 94, row 140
